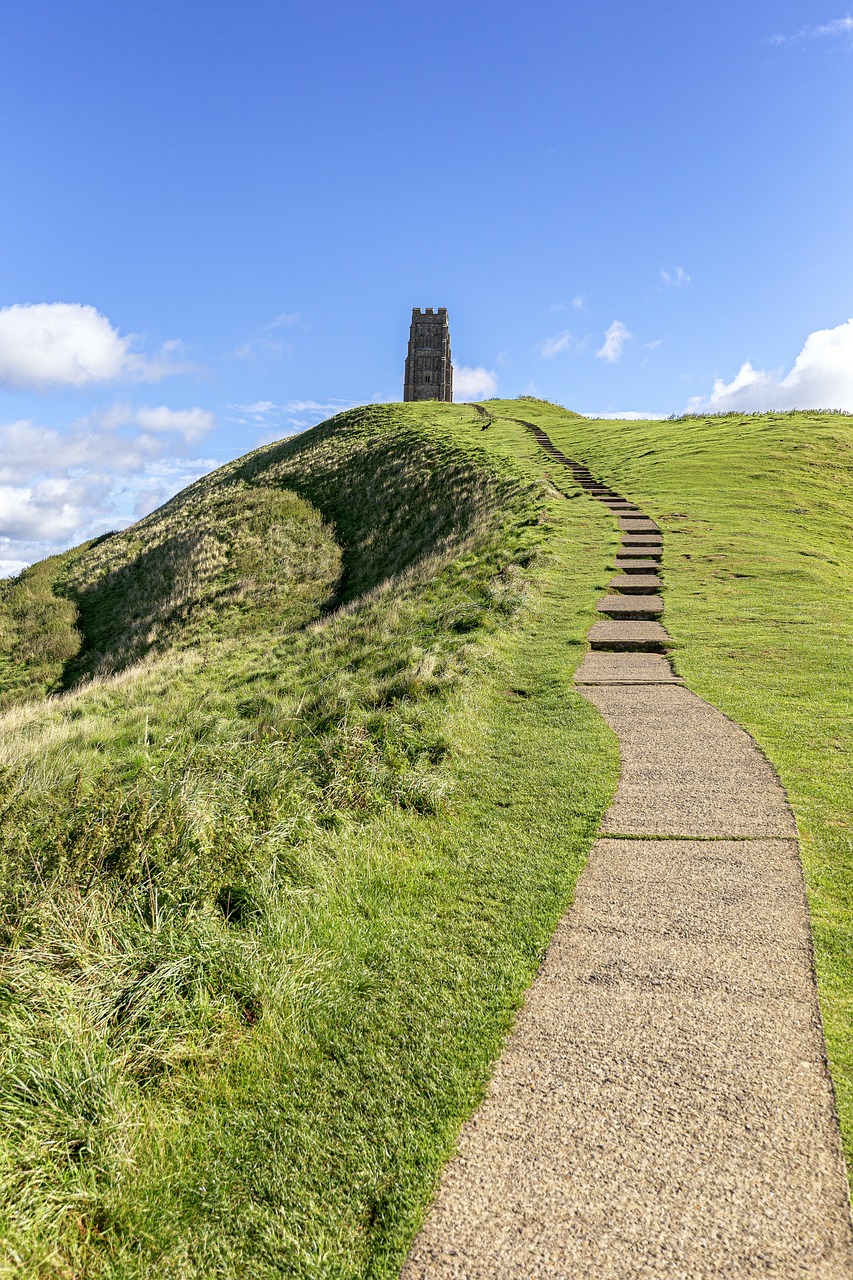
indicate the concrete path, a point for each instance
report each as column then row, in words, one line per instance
column 662, row 1107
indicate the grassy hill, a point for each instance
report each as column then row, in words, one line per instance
column 296, row 786
column 284, row 844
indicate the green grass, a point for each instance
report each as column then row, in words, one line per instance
column 756, row 512
column 286, row 845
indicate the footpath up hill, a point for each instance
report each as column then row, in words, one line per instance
column 756, row 513
column 296, row 788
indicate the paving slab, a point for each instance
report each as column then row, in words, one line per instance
column 631, row 606
column 639, row 551
column 627, row 525
column 662, row 1108
column 627, row 634
column 635, row 583
column 638, row 565
column 642, row 540
column 599, row 667
column 687, row 770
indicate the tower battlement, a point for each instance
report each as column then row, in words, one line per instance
column 429, row 371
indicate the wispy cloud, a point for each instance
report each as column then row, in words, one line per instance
column 266, row 343
column 821, row 378
column 614, row 342
column 579, row 302
column 48, row 345
column 473, row 383
column 675, row 277
column 274, row 421
column 833, row 30
column 552, row 346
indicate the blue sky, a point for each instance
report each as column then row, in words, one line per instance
column 215, row 218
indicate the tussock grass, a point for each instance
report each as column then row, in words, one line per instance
column 281, row 854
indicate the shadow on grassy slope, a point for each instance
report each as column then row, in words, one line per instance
column 271, row 897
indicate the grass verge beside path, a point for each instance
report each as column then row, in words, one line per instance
column 756, row 512
column 262, row 954
column 318, row 1157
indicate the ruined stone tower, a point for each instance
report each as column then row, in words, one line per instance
column 429, row 373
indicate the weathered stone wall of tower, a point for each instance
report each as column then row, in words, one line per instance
column 429, row 372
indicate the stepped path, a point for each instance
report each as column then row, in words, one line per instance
column 662, row 1106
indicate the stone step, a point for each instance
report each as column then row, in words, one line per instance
column 600, row 667
column 610, row 634
column 640, row 550
column 643, row 607
column 635, row 583
column 642, row 540
column 642, row 564
column 638, row 526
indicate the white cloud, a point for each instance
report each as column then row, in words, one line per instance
column 39, row 511
column 59, row 487
column 66, row 344
column 821, row 378
column 676, row 278
column 27, row 450
column 614, row 341
column 833, row 29
column 150, row 488
column 552, row 346
column 579, row 302
column 473, row 384
column 190, row 424
column 10, row 565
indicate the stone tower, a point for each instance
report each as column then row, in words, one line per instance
column 429, row 373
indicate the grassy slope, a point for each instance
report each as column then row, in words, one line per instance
column 273, row 895
column 756, row 512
